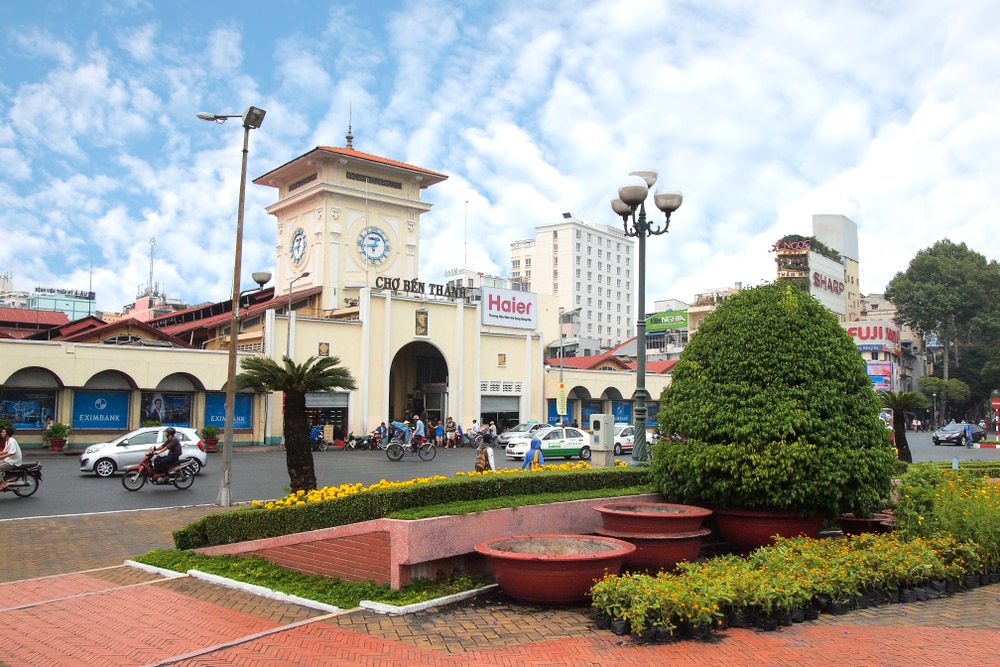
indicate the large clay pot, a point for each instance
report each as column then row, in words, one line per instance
column 655, row 551
column 852, row 525
column 746, row 530
column 57, row 444
column 552, row 569
column 645, row 518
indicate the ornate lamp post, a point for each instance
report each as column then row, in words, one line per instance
column 631, row 206
column 252, row 119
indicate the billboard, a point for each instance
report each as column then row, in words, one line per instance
column 671, row 319
column 508, row 308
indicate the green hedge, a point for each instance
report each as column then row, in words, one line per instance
column 252, row 523
column 991, row 468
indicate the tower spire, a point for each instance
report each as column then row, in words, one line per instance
column 350, row 137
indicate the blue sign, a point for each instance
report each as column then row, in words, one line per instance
column 215, row 410
column 105, row 410
column 589, row 408
column 27, row 408
column 652, row 410
column 622, row 410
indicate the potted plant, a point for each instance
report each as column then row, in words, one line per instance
column 778, row 415
column 57, row 434
column 210, row 435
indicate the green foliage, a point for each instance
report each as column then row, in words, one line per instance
column 210, row 432
column 251, row 523
column 5, row 422
column 295, row 381
column 58, row 431
column 777, row 410
column 899, row 402
column 150, row 423
column 328, row 590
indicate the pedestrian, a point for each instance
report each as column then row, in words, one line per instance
column 969, row 439
column 45, row 430
column 533, row 459
column 450, row 431
column 916, row 424
column 482, row 458
column 439, row 434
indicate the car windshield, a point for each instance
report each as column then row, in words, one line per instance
column 522, row 428
column 952, row 427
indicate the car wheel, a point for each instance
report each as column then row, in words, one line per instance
column 195, row 466
column 618, row 449
column 584, row 453
column 937, row 443
column 105, row 468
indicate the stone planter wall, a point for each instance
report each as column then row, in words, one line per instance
column 395, row 552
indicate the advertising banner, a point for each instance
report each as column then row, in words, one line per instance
column 107, row 410
column 27, row 408
column 508, row 308
column 215, row 410
column 671, row 319
column 168, row 409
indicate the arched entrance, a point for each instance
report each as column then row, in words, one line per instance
column 418, row 383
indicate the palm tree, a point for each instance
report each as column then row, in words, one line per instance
column 295, row 381
column 899, row 402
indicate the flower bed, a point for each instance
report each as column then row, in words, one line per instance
column 947, row 539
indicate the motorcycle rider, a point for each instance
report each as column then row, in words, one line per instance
column 10, row 456
column 173, row 449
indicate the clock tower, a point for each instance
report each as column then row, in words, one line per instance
column 347, row 218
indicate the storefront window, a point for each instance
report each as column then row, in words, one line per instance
column 27, row 408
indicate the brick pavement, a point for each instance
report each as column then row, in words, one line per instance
column 52, row 614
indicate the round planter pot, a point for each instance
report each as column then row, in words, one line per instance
column 659, row 552
column 852, row 525
column 552, row 568
column 746, row 530
column 211, row 445
column 57, row 444
column 651, row 518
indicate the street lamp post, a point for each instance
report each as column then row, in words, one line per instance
column 561, row 402
column 252, row 119
column 288, row 344
column 631, row 206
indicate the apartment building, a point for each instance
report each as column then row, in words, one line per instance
column 589, row 268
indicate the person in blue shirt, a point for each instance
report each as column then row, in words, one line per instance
column 418, row 430
column 315, row 433
column 969, row 438
column 381, row 432
column 533, row 458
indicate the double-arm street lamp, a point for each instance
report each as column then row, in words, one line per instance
column 252, row 119
column 288, row 344
column 631, row 206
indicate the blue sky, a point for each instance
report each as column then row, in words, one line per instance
column 761, row 113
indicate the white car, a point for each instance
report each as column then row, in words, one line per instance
column 624, row 438
column 519, row 431
column 106, row 458
column 556, row 442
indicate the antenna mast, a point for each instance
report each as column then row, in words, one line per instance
column 152, row 250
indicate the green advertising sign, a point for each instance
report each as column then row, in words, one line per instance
column 672, row 319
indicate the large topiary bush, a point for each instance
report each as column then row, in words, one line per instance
column 777, row 411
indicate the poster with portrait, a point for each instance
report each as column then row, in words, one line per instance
column 166, row 408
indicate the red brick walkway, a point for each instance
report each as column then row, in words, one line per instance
column 119, row 616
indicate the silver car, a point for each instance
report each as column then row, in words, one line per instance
column 107, row 458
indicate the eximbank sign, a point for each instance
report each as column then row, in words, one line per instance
column 672, row 319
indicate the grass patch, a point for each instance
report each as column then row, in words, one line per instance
column 328, row 590
column 500, row 502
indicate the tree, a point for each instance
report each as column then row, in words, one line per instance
column 778, row 411
column 949, row 292
column 295, row 381
column 899, row 403
column 950, row 391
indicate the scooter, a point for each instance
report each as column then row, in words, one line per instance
column 136, row 476
column 319, row 444
column 23, row 479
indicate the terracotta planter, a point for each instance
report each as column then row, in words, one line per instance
column 852, row 525
column 211, row 445
column 664, row 534
column 57, row 444
column 651, row 518
column 655, row 552
column 746, row 530
column 552, row 569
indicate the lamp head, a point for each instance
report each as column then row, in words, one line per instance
column 261, row 278
column 253, row 118
column 648, row 175
column 668, row 202
column 634, row 193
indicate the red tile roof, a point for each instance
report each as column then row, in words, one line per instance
column 433, row 177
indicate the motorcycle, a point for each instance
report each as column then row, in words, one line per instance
column 363, row 443
column 319, row 444
column 180, row 475
column 23, row 479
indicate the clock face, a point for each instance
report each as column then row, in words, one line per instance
column 373, row 245
column 297, row 248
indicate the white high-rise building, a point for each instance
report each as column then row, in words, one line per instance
column 589, row 268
